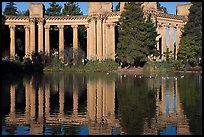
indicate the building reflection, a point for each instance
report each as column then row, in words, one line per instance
column 170, row 117
column 100, row 112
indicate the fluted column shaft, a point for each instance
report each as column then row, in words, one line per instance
column 88, row 42
column 27, row 40
column 32, row 36
column 40, row 35
column 93, row 39
column 112, row 43
column 75, row 36
column 12, row 41
column 75, row 42
column 104, row 39
column 61, row 40
column 171, row 39
column 99, row 39
column 47, row 40
column 163, row 33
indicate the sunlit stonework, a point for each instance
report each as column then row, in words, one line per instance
column 100, row 24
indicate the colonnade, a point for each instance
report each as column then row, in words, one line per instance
column 100, row 38
column 100, row 32
column 162, row 30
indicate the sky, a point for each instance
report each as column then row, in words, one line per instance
column 22, row 6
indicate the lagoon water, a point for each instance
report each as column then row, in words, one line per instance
column 101, row 103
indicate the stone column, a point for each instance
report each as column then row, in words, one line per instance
column 112, row 43
column 171, row 39
column 88, row 45
column 93, row 38
column 27, row 41
column 47, row 40
column 107, row 41
column 75, row 36
column 104, row 39
column 99, row 38
column 61, row 40
column 32, row 36
column 12, row 41
column 75, row 42
column 163, row 34
column 40, row 35
column 178, row 37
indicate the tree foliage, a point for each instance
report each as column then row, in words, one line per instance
column 161, row 8
column 188, row 50
column 137, row 36
column 194, row 23
column 71, row 8
column 117, row 8
column 10, row 9
column 54, row 9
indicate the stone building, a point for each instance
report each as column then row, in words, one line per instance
column 100, row 25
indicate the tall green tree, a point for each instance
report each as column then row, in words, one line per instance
column 54, row 9
column 137, row 35
column 161, row 8
column 24, row 13
column 192, row 29
column 5, row 36
column 71, row 8
column 10, row 9
column 189, row 50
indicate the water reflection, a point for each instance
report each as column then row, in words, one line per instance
column 81, row 104
column 40, row 94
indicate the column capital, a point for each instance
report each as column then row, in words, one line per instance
column 74, row 26
column 32, row 20
column 87, row 26
column 172, row 26
column 40, row 20
column 112, row 24
column 100, row 17
column 26, row 27
column 12, row 26
column 178, row 26
column 92, row 18
column 47, row 26
column 60, row 26
column 163, row 25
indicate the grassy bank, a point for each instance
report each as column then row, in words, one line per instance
column 91, row 66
